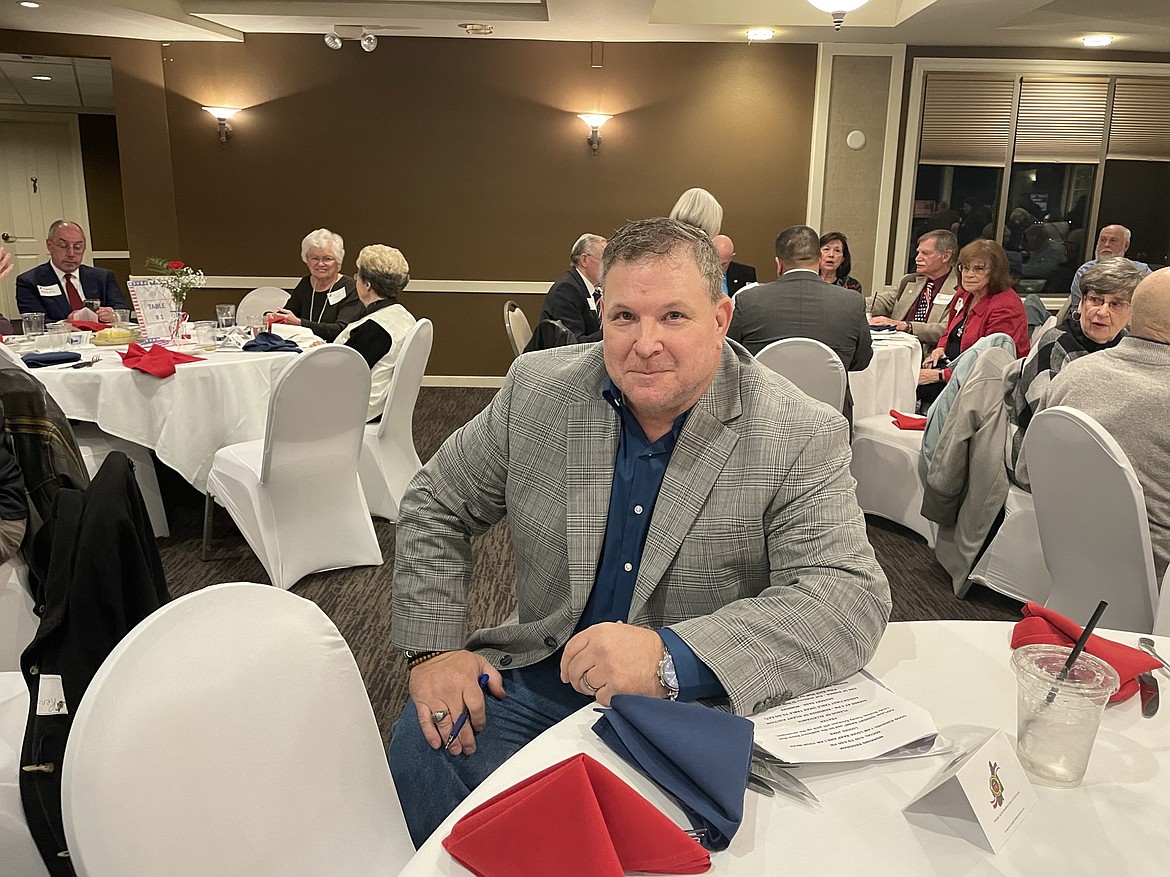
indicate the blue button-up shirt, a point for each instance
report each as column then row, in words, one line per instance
column 637, row 479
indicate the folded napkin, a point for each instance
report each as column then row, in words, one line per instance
column 54, row 357
column 1045, row 627
column 699, row 756
column 268, row 342
column 907, row 421
column 575, row 817
column 86, row 324
column 156, row 360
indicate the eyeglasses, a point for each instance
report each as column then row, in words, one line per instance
column 975, row 269
column 75, row 247
column 1117, row 305
column 322, row 260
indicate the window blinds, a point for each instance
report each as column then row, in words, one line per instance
column 966, row 120
column 1140, row 127
column 1061, row 120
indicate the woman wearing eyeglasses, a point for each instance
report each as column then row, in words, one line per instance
column 984, row 304
column 836, row 263
column 325, row 302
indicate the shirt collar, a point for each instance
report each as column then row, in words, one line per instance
column 61, row 274
column 613, row 395
column 589, row 287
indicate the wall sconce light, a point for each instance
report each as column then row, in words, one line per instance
column 594, row 121
column 366, row 40
column 222, row 114
column 838, row 8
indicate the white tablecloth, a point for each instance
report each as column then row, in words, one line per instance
column 185, row 418
column 1114, row 823
column 891, row 378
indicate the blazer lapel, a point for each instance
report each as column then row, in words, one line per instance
column 591, row 449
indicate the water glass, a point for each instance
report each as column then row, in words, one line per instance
column 93, row 304
column 121, row 316
column 205, row 334
column 32, row 324
column 1057, row 721
column 225, row 316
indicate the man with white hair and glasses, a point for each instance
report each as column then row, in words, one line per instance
column 1113, row 241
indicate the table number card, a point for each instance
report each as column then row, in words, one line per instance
column 155, row 308
column 987, row 784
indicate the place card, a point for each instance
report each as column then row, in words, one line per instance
column 986, row 785
column 155, row 307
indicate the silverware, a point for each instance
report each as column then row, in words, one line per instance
column 1148, row 691
column 696, row 833
column 783, row 781
column 758, row 784
column 85, row 363
column 762, row 754
column 1147, row 646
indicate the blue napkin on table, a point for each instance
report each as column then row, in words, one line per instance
column 268, row 342
column 50, row 357
column 699, row 756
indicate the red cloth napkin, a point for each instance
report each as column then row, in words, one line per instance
column 155, row 360
column 86, row 324
column 907, row 421
column 575, row 817
column 1045, row 627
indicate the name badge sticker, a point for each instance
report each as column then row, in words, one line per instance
column 51, row 696
column 46, row 291
column 335, row 296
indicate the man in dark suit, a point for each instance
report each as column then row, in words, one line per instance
column 735, row 275
column 59, row 287
column 801, row 305
column 574, row 298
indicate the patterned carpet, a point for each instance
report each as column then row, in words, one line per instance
column 358, row 600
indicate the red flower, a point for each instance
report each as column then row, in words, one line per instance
column 175, row 265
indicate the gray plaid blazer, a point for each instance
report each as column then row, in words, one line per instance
column 757, row 555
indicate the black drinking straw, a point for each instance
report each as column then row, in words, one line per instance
column 1077, row 649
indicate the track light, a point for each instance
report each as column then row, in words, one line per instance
column 342, row 32
column 333, row 41
column 368, row 42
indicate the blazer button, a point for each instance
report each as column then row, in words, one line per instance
column 34, row 670
column 505, row 660
column 550, row 642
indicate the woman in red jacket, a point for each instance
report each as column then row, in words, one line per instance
column 984, row 304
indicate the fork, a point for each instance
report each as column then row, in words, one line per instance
column 1147, row 645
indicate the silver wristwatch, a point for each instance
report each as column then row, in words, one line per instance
column 667, row 677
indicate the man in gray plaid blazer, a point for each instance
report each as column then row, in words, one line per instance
column 684, row 525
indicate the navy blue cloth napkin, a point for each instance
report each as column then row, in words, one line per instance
column 51, row 357
column 699, row 756
column 268, row 342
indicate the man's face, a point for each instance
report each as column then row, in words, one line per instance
column 66, row 248
column 929, row 261
column 663, row 336
column 1103, row 315
column 590, row 263
column 726, row 254
column 1111, row 242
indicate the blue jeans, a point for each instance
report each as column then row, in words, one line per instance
column 431, row 782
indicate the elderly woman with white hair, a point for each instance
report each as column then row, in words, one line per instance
column 325, row 302
column 699, row 208
column 382, row 273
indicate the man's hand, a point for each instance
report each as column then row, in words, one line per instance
column 932, row 358
column 610, row 658
column 285, row 316
column 882, row 321
column 105, row 315
column 5, row 263
column 446, row 684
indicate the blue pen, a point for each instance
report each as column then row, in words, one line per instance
column 463, row 716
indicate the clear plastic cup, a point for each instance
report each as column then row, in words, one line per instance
column 32, row 324
column 205, row 334
column 121, row 316
column 1057, row 721
column 225, row 316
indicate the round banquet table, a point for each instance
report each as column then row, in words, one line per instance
column 185, row 418
column 1114, row 822
column 891, row 378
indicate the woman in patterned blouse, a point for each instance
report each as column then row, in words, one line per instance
column 835, row 261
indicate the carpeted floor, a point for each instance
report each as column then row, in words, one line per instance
column 358, row 600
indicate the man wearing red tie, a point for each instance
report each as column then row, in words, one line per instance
column 60, row 287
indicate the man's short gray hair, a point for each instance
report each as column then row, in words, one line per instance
column 798, row 243
column 1117, row 276
column 57, row 223
column 699, row 208
column 944, row 242
column 661, row 239
column 584, row 245
column 323, row 239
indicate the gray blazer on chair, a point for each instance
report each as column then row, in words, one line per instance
column 757, row 555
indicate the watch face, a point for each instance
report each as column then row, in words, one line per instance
column 667, row 672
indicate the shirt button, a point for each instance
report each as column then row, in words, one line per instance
column 550, row 642
column 505, row 660
column 628, row 567
column 637, row 510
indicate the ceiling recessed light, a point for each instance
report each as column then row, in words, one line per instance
column 760, row 33
column 478, row 30
column 28, row 4
column 43, row 78
column 1097, row 41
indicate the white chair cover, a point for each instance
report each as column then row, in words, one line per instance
column 12, row 356
column 389, row 459
column 1091, row 513
column 811, row 365
column 19, row 856
column 18, row 622
column 887, row 465
column 95, row 445
column 252, row 306
column 295, row 495
column 230, row 734
column 1013, row 563
column 517, row 326
column 1162, row 613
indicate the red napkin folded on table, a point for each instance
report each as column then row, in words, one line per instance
column 907, row 421
column 86, row 324
column 1045, row 627
column 575, row 817
column 157, row 360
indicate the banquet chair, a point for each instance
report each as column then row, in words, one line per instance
column 230, row 734
column 811, row 365
column 250, row 310
column 1091, row 513
column 389, row 459
column 295, row 494
column 18, row 620
column 1013, row 563
column 517, row 326
column 19, row 855
column 95, row 444
column 891, row 478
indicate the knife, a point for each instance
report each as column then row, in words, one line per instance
column 1148, row 691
